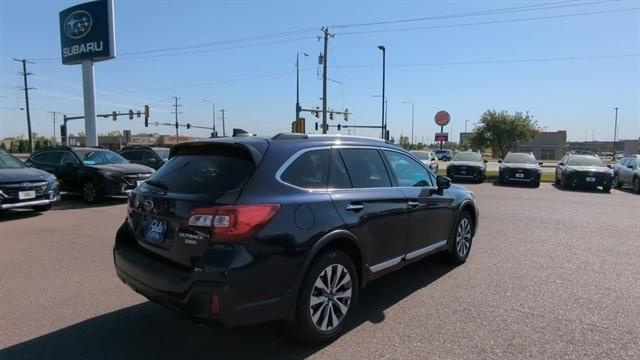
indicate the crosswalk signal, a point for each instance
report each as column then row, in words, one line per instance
column 146, row 116
column 130, row 114
column 114, row 115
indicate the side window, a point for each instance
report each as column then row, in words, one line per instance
column 407, row 171
column 563, row 160
column 365, row 168
column 633, row 162
column 309, row 171
column 68, row 157
column 623, row 162
column 147, row 155
column 132, row 155
column 338, row 177
column 53, row 158
column 39, row 158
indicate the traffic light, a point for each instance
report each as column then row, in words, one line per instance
column 346, row 114
column 316, row 126
column 114, row 115
column 188, row 126
column 138, row 114
column 130, row 114
column 294, row 127
column 386, row 135
column 146, row 116
column 339, row 127
column 331, row 115
column 316, row 113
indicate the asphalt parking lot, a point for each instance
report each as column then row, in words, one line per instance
column 552, row 274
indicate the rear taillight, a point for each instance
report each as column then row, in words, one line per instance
column 233, row 223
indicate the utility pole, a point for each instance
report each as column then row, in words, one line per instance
column 54, row 126
column 615, row 132
column 176, row 105
column 26, row 98
column 213, row 114
column 326, row 33
column 384, row 60
column 224, row 131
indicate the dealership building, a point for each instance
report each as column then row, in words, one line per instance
column 547, row 145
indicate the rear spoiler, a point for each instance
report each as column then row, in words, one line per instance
column 256, row 156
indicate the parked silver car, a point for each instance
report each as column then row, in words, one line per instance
column 428, row 158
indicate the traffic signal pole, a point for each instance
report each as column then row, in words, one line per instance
column 326, row 33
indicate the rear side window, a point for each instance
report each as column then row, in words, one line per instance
column 132, row 155
column 338, row 177
column 309, row 170
column 206, row 170
column 365, row 168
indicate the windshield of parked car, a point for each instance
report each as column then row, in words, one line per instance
column 520, row 159
column 422, row 155
column 7, row 161
column 100, row 157
column 584, row 160
column 467, row 156
column 163, row 153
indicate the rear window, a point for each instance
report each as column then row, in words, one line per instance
column 205, row 171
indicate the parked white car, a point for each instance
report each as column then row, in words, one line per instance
column 428, row 158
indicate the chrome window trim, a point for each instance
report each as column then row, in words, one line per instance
column 425, row 250
column 293, row 158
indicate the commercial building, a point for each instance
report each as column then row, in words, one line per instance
column 547, row 145
column 627, row 146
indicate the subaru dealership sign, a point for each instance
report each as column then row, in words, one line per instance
column 87, row 32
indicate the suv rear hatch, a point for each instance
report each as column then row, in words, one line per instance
column 199, row 179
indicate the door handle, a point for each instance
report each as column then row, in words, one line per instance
column 413, row 204
column 355, row 207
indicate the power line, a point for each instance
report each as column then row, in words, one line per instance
column 509, row 10
column 486, row 22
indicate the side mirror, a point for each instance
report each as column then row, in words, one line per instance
column 540, row 163
column 610, row 166
column 630, row 166
column 28, row 163
column 560, row 163
column 443, row 182
column 499, row 161
column 486, row 161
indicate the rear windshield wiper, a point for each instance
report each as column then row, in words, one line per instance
column 158, row 184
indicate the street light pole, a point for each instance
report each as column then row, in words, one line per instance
column 615, row 133
column 298, row 83
column 384, row 56
column 213, row 105
column 412, row 117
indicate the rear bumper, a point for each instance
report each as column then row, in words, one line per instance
column 206, row 292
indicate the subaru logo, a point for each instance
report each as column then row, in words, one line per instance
column 77, row 24
column 148, row 205
column 25, row 185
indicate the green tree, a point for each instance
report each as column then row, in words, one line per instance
column 503, row 131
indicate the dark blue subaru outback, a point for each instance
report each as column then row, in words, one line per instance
column 244, row 230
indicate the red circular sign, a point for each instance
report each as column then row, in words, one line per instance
column 442, row 118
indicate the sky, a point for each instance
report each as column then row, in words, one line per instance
column 568, row 63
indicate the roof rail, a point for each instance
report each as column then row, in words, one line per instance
column 290, row 136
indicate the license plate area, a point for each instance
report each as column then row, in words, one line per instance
column 519, row 175
column 590, row 179
column 26, row 195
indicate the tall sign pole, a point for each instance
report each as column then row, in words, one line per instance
column 87, row 35
column 442, row 118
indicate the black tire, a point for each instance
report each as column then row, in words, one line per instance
column 557, row 180
column 481, row 179
column 456, row 255
column 42, row 208
column 606, row 188
column 616, row 181
column 89, row 192
column 304, row 327
column 636, row 185
column 536, row 184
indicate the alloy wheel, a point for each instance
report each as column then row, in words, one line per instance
column 330, row 297
column 89, row 191
column 463, row 237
